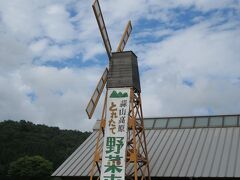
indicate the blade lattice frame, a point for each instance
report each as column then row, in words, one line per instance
column 125, row 37
column 96, row 95
column 102, row 27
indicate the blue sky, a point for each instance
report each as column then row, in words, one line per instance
column 52, row 57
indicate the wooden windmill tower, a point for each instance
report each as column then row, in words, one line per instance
column 123, row 154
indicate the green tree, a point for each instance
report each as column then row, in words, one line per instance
column 31, row 167
column 23, row 138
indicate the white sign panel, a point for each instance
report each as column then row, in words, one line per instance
column 115, row 139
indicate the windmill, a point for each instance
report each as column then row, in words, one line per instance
column 124, row 150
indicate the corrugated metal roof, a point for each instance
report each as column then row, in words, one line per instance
column 176, row 152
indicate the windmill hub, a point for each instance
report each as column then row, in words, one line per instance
column 123, row 71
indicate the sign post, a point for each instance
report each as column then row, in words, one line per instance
column 115, row 139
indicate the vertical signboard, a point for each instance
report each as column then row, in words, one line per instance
column 115, row 139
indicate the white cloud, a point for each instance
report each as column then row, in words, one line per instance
column 13, row 53
column 198, row 49
column 39, row 46
column 56, row 23
column 209, row 58
column 206, row 53
column 20, row 18
column 14, row 104
column 65, row 109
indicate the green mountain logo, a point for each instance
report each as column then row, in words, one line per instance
column 118, row 95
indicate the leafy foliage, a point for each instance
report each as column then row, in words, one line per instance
column 19, row 139
column 30, row 166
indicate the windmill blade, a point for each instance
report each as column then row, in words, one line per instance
column 96, row 95
column 125, row 37
column 102, row 27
